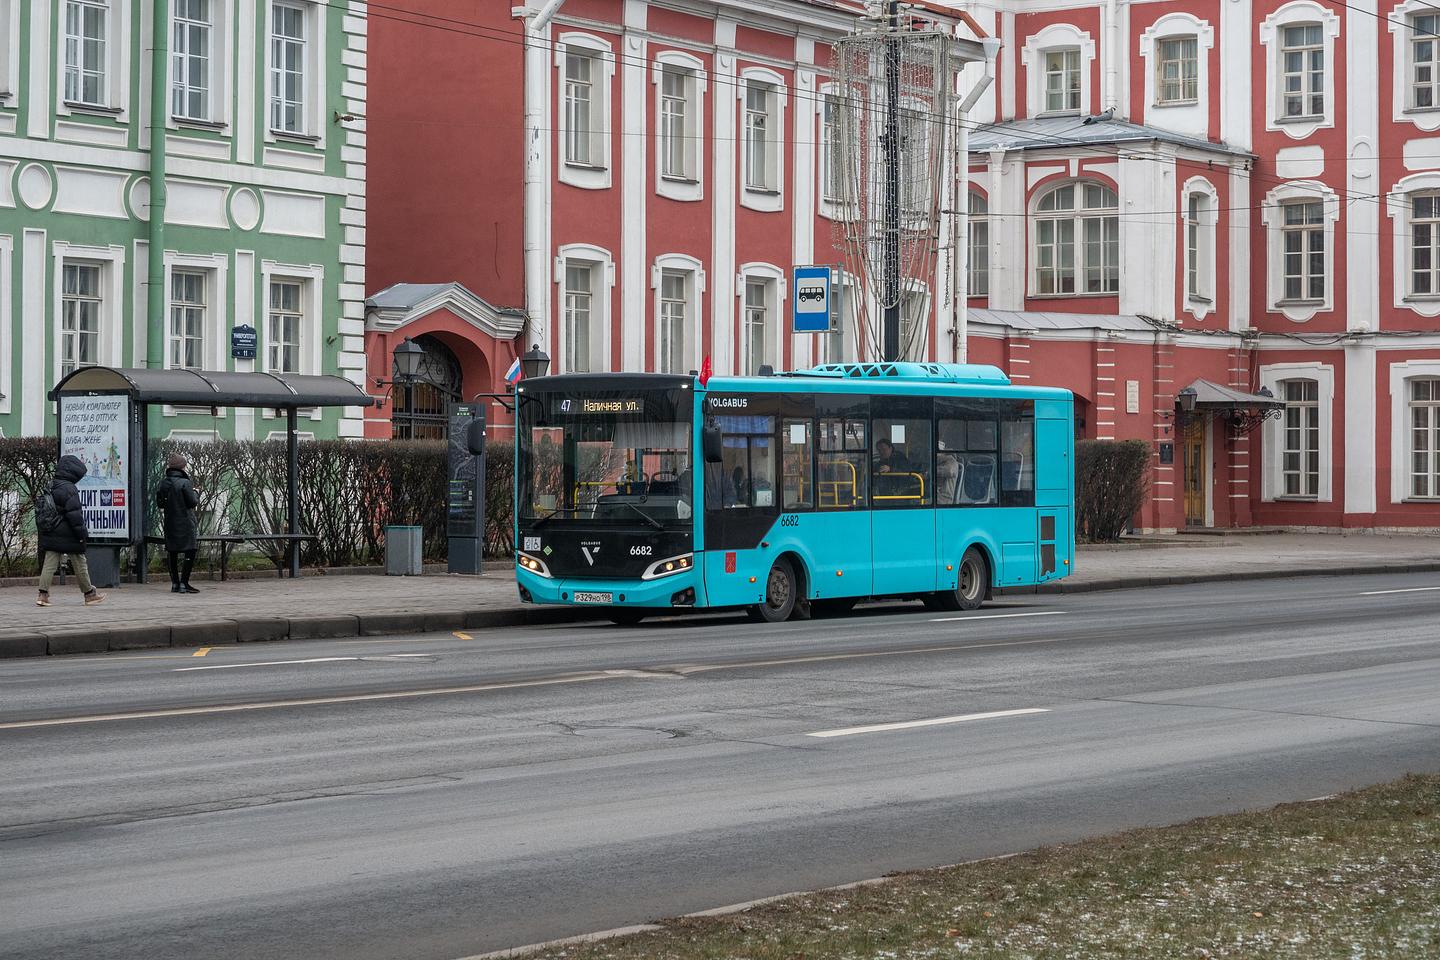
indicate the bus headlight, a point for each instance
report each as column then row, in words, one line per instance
column 534, row 564
column 664, row 568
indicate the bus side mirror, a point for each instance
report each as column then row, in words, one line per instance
column 711, row 445
column 475, row 437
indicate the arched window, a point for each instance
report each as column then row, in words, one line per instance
column 1077, row 241
column 421, row 409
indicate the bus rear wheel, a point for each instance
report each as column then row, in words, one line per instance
column 779, row 601
column 971, row 584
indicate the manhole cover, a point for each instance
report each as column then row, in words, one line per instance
column 623, row 733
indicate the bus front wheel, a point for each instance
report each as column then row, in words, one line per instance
column 970, row 583
column 779, row 601
column 623, row 617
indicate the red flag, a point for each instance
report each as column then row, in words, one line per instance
column 705, row 371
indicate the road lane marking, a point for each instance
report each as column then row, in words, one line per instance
column 689, row 668
column 1001, row 616
column 201, row 652
column 303, row 702
column 937, row 721
column 463, row 636
column 1380, row 593
column 282, row 663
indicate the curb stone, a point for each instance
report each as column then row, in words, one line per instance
column 101, row 639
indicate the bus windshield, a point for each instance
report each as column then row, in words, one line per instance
column 610, row 456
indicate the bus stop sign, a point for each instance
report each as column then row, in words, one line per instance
column 812, row 299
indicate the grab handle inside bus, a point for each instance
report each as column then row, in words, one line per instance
column 711, row 444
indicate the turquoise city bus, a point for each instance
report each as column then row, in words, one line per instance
column 791, row 494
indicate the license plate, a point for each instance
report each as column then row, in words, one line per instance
column 582, row 597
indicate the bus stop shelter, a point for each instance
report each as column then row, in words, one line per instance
column 88, row 412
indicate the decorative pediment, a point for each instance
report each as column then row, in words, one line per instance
column 404, row 303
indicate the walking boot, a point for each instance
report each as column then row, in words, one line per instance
column 43, row 600
column 94, row 597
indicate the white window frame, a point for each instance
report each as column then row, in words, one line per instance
column 217, row 329
column 9, row 50
column 177, row 327
column 848, row 290
column 691, row 187
column 1401, row 443
column 1400, row 21
column 1273, row 216
column 828, row 159
column 1271, row 38
column 111, row 261
column 7, row 300
column 597, row 175
column 1199, row 302
column 220, row 57
column 311, row 328
column 1398, row 206
column 1054, row 37
column 117, row 63
column 695, row 280
column 767, row 200
column 315, row 63
column 602, row 284
column 270, row 342
column 1190, row 117
column 1272, row 376
column 1078, row 215
column 919, row 351
column 972, row 220
column 774, row 278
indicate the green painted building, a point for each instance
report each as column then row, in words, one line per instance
column 252, row 145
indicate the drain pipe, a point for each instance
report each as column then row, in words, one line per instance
column 960, row 223
column 155, row 288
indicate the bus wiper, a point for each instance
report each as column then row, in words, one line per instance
column 648, row 519
column 548, row 517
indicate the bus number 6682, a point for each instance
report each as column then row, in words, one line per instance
column 790, row 520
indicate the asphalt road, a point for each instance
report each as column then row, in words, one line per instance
column 438, row 797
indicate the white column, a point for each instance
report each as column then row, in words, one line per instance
column 1009, row 67
column 1007, row 231
column 1237, row 87
column 37, row 95
column 34, row 308
column 1360, row 418
column 634, row 266
column 802, row 190
column 1240, row 246
column 246, row 62
column 139, row 299
column 1362, row 215
column 722, row 273
column 537, row 187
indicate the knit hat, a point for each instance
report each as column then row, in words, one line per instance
column 176, row 461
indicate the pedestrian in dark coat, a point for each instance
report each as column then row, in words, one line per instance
column 69, row 536
column 177, row 501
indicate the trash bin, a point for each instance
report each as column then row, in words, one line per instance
column 104, row 563
column 403, row 551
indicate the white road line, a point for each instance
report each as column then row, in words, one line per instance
column 938, row 721
column 1001, row 616
column 1378, row 593
column 282, row 663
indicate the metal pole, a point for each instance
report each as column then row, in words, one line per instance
column 890, row 343
column 292, row 450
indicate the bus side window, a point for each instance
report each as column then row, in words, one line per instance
column 842, row 468
column 797, row 473
column 1017, row 461
column 901, row 468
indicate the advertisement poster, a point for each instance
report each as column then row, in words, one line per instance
column 97, row 430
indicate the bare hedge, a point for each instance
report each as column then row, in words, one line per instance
column 1111, row 480
column 349, row 492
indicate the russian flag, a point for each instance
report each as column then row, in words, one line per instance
column 513, row 374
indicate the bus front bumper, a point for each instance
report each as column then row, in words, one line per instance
column 679, row 590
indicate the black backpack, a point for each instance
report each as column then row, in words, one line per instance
column 47, row 514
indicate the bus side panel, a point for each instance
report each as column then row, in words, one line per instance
column 839, row 541
column 1052, row 454
column 903, row 550
column 960, row 528
column 728, row 576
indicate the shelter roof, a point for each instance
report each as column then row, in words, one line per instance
column 1046, row 133
column 1044, row 320
column 215, row 388
column 1214, row 396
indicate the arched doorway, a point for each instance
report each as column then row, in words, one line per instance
column 421, row 410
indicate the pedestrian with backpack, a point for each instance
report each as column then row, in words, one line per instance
column 61, row 525
column 177, row 501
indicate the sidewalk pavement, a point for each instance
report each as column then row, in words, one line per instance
column 314, row 606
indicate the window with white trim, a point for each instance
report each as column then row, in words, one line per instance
column 761, row 137
column 289, row 62
column 1424, row 403
column 1177, row 70
column 81, row 306
column 977, row 263
column 1300, row 455
column 832, row 186
column 1199, row 247
column 188, row 302
column 756, row 321
column 1302, row 71
column 579, row 316
column 1425, row 244
column 1425, row 61
column 1077, row 241
column 9, row 47
column 284, row 323
column 915, row 196
column 87, row 29
column 582, row 146
column 837, row 345
column 190, row 59
column 677, row 123
column 1062, row 81
column 1303, row 250
column 672, row 351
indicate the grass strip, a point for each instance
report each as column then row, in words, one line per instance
column 1356, row 876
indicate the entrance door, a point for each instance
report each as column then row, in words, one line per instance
column 1192, row 443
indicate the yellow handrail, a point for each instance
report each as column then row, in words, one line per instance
column 902, row 496
column 833, row 487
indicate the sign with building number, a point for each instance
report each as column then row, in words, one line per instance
column 811, row 299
